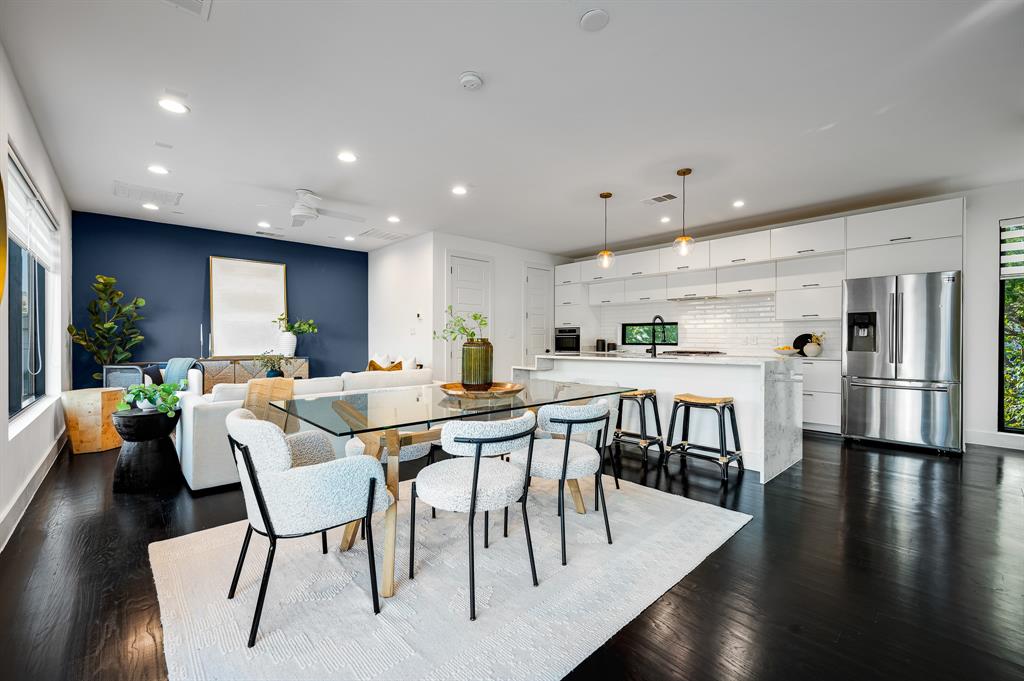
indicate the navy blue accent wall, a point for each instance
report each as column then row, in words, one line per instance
column 168, row 265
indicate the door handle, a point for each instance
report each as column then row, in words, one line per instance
column 902, row 238
column 806, row 250
column 940, row 389
column 892, row 328
column 810, row 285
column 899, row 326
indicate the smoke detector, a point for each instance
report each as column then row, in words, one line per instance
column 471, row 80
column 594, row 20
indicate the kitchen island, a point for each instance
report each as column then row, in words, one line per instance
column 767, row 392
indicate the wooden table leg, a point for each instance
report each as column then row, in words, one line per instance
column 391, row 516
column 371, row 447
column 577, row 498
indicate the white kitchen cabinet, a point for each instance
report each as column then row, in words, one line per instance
column 823, row 236
column 933, row 220
column 823, row 375
column 570, row 294
column 685, row 285
column 591, row 271
column 568, row 273
column 809, row 304
column 582, row 316
column 935, row 255
column 645, row 289
column 822, row 408
column 812, row 272
column 740, row 249
column 638, row 264
column 608, row 293
column 746, row 279
column 699, row 258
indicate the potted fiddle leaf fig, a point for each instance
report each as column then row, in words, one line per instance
column 162, row 398
column 112, row 331
column 477, row 351
column 290, row 331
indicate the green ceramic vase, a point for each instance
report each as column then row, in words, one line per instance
column 477, row 364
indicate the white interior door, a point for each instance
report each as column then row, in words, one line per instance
column 469, row 291
column 538, row 313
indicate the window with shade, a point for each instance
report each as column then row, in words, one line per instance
column 1011, row 325
column 32, row 257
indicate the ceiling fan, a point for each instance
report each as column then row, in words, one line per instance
column 307, row 209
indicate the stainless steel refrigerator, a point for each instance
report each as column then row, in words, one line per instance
column 902, row 359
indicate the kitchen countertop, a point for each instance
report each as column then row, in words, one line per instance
column 742, row 360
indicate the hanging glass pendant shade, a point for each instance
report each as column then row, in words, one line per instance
column 605, row 258
column 683, row 243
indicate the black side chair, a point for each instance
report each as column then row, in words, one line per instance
column 305, row 491
column 475, row 446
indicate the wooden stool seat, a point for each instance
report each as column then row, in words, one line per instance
column 640, row 392
column 700, row 399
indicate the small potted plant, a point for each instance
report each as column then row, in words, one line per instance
column 477, row 351
column 162, row 398
column 270, row 362
column 290, row 331
column 813, row 348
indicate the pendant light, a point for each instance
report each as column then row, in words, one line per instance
column 605, row 258
column 683, row 243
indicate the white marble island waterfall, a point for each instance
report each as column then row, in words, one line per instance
column 767, row 392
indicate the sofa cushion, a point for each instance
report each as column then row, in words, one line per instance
column 373, row 366
column 368, row 380
column 323, row 384
column 229, row 392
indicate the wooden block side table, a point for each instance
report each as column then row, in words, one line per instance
column 88, row 415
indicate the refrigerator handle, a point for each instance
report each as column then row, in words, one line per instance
column 892, row 328
column 899, row 327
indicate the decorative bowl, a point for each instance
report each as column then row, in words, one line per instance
column 496, row 390
column 786, row 353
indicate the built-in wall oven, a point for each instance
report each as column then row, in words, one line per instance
column 567, row 339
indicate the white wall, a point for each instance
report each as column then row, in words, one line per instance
column 29, row 442
column 400, row 285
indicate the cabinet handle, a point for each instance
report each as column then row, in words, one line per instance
column 683, row 267
column 740, row 260
column 806, row 250
column 810, row 285
column 902, row 238
column 687, row 295
column 810, row 315
column 566, row 302
column 635, row 273
column 744, row 290
column 646, row 298
column 808, row 394
column 568, row 281
column 606, row 301
column 596, row 278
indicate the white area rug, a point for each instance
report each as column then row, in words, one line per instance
column 318, row 622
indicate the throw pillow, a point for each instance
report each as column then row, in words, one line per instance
column 153, row 371
column 373, row 366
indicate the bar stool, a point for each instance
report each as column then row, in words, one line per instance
column 644, row 439
column 719, row 455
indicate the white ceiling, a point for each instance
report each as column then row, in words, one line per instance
column 797, row 107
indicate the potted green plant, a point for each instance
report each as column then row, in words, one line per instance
column 162, row 398
column 112, row 330
column 270, row 362
column 477, row 351
column 290, row 331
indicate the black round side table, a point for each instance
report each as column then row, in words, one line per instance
column 147, row 460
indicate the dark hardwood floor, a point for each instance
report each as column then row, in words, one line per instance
column 860, row 563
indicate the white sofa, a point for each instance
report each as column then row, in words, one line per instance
column 202, row 436
column 195, row 382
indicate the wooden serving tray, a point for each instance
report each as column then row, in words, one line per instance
column 496, row 390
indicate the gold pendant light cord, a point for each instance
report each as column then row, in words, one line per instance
column 684, row 205
column 606, row 224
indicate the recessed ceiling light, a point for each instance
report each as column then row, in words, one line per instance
column 173, row 105
column 150, row 206
column 394, row 218
column 350, row 238
column 665, row 219
column 739, row 203
column 459, row 190
column 594, row 20
column 346, row 157
column 158, row 170
column 263, row 223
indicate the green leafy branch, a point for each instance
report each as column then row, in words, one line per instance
column 299, row 327
column 458, row 327
column 164, row 397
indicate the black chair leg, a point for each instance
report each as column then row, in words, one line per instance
column 618, row 419
column 597, row 479
column 604, row 507
column 529, row 545
column 505, row 527
column 472, row 573
column 362, row 531
column 412, row 530
column 643, row 429
column 323, row 541
column 616, row 468
column 672, row 426
column 723, row 445
column 487, row 527
column 561, row 513
column 263, row 592
column 368, row 524
column 241, row 560
column 657, row 416
column 685, row 441
column 736, row 436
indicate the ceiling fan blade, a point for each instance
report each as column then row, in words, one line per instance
column 341, row 215
column 298, row 221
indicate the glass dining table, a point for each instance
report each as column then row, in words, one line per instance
column 391, row 418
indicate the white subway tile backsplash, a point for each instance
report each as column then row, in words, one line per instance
column 741, row 325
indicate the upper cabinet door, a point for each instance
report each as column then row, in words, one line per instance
column 745, row 279
column 568, row 273
column 699, row 258
column 644, row 290
column 637, row 264
column 609, row 293
column 911, row 223
column 570, row 294
column 741, row 249
column 591, row 271
column 684, row 285
column 804, row 273
column 809, row 238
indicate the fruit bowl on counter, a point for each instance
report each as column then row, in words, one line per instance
column 785, row 350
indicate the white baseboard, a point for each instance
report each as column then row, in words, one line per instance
column 821, row 428
column 17, row 508
column 994, row 439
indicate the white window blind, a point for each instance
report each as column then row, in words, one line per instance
column 28, row 222
column 1011, row 248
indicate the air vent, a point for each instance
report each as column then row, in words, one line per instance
column 272, row 235
column 200, row 8
column 140, row 194
column 383, row 235
column 655, row 200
